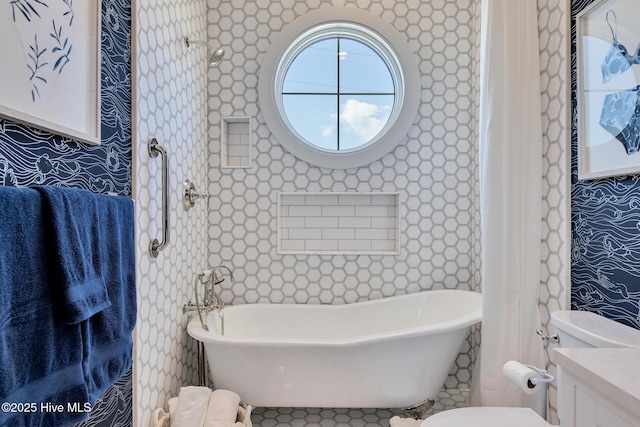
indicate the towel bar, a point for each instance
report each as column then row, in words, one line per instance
column 156, row 149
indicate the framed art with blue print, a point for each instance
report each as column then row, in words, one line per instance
column 608, row 73
column 50, row 76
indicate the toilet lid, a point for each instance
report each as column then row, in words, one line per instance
column 486, row 417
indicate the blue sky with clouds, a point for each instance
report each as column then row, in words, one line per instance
column 317, row 109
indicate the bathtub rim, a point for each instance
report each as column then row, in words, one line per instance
column 474, row 316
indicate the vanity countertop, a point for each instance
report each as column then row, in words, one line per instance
column 614, row 372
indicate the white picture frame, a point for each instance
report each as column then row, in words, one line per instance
column 50, row 77
column 607, row 137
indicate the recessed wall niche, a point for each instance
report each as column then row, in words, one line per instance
column 236, row 144
column 339, row 223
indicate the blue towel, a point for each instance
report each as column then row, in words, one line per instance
column 72, row 230
column 107, row 335
column 67, row 301
column 40, row 353
column 92, row 236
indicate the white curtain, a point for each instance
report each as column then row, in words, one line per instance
column 510, row 197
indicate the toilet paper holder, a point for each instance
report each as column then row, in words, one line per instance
column 530, row 379
column 545, row 376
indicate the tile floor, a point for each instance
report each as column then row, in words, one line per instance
column 321, row 417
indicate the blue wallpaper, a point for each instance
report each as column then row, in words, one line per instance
column 605, row 230
column 31, row 156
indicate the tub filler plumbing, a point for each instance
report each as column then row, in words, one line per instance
column 417, row 411
column 211, row 301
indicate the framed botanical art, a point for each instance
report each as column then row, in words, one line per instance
column 50, row 74
column 608, row 95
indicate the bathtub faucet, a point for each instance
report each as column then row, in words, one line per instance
column 216, row 280
column 211, row 300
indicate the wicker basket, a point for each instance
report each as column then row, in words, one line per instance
column 161, row 418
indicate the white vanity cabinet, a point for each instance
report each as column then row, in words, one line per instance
column 598, row 387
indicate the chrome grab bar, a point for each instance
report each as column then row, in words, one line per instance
column 156, row 149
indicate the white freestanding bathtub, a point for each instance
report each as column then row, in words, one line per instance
column 388, row 353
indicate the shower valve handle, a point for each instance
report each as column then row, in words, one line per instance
column 190, row 195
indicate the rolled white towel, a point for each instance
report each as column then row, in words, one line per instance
column 396, row 421
column 192, row 407
column 223, row 409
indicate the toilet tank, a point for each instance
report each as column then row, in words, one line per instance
column 587, row 329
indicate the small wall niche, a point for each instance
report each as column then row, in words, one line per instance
column 339, row 223
column 236, row 143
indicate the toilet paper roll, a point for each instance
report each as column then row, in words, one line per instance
column 518, row 374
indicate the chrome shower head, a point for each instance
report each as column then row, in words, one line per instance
column 214, row 56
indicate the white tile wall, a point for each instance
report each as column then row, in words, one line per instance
column 338, row 223
column 169, row 104
column 434, row 170
column 555, row 290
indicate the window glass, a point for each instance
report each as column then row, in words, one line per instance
column 314, row 118
column 338, row 93
column 362, row 118
column 314, row 70
column 362, row 70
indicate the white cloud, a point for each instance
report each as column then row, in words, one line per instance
column 363, row 119
column 328, row 130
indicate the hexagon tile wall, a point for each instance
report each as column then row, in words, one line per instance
column 553, row 19
column 434, row 169
column 171, row 106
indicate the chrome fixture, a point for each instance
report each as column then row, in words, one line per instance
column 544, row 378
column 219, row 279
column 548, row 338
column 190, row 195
column 211, row 301
column 417, row 411
column 154, row 150
column 214, row 56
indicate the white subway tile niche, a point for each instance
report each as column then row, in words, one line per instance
column 339, row 223
column 236, row 143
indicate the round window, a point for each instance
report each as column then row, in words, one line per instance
column 334, row 92
column 336, row 87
